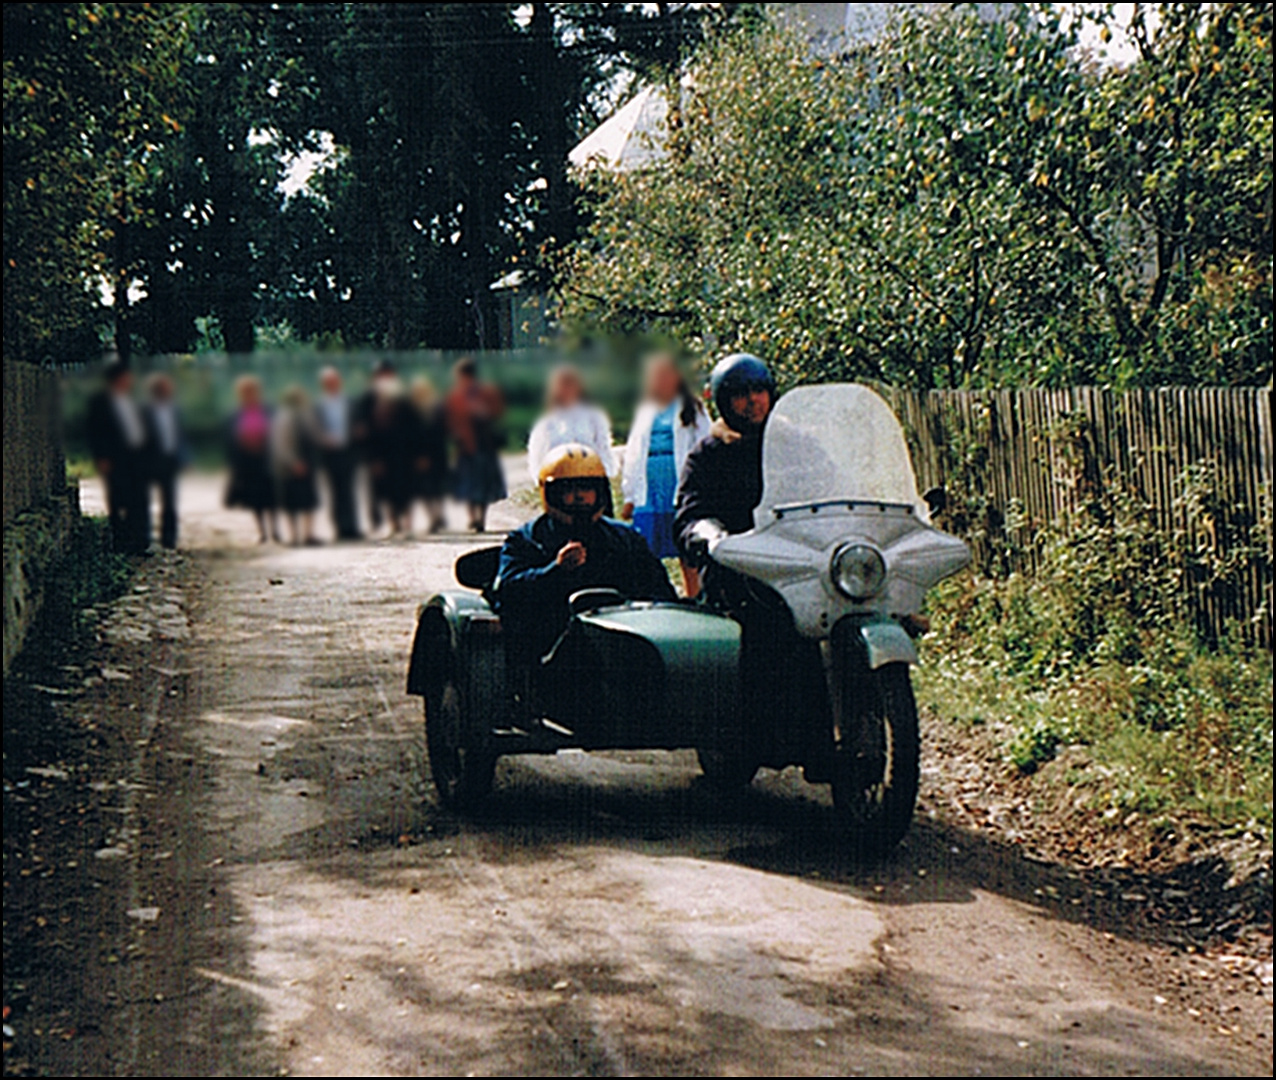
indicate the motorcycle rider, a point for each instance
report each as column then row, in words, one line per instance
column 721, row 485
column 721, row 481
column 571, row 546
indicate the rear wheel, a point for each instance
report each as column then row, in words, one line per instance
column 877, row 761
column 462, row 772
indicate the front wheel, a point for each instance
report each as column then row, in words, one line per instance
column 462, row 772
column 877, row 759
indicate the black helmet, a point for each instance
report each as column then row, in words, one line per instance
column 734, row 375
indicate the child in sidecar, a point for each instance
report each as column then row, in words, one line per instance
column 570, row 547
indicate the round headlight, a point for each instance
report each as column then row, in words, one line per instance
column 858, row 571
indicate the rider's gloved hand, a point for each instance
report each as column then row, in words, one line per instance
column 702, row 537
column 572, row 555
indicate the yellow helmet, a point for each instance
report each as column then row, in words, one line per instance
column 572, row 466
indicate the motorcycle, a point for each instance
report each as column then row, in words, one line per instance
column 807, row 664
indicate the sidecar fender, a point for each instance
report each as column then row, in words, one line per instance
column 444, row 634
column 887, row 642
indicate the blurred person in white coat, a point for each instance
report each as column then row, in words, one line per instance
column 570, row 417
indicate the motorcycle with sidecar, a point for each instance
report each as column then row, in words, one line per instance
column 840, row 558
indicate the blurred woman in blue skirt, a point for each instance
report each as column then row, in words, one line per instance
column 669, row 422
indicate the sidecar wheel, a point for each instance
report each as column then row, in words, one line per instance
column 727, row 770
column 462, row 773
column 876, row 767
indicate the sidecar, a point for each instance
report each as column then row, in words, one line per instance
column 625, row 675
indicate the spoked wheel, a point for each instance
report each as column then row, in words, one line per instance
column 876, row 771
column 727, row 770
column 462, row 772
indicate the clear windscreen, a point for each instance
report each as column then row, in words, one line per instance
column 839, row 441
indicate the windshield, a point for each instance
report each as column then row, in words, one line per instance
column 840, row 441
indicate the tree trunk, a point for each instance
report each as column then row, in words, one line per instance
column 120, row 309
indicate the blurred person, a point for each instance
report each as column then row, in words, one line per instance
column 168, row 451
column 384, row 375
column 428, row 452
column 388, row 422
column 474, row 410
column 669, row 422
column 252, row 485
column 116, row 431
column 294, row 460
column 335, row 414
column 569, row 417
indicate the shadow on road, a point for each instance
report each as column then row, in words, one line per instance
column 887, row 1017
column 783, row 826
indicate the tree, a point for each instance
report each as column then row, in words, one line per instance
column 400, row 240
column 146, row 145
column 578, row 58
column 91, row 93
column 1187, row 133
column 961, row 203
column 212, row 245
column 452, row 123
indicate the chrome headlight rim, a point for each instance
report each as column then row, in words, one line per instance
column 857, row 570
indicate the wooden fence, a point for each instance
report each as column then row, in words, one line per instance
column 1024, row 458
column 34, row 463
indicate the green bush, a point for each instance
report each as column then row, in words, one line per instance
column 92, row 572
column 1097, row 645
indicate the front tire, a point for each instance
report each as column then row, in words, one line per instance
column 462, row 772
column 877, row 761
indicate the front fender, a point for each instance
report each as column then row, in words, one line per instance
column 886, row 642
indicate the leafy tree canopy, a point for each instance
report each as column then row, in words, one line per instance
column 963, row 202
column 146, row 148
column 91, row 94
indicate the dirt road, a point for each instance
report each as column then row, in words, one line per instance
column 305, row 906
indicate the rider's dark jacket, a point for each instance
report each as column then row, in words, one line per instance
column 720, row 480
column 531, row 590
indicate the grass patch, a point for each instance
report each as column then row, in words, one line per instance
column 1193, row 740
column 1096, row 648
column 92, row 572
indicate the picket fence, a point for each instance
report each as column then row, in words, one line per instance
column 1027, row 458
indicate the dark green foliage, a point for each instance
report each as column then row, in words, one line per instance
column 145, row 148
column 91, row 573
column 90, row 93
